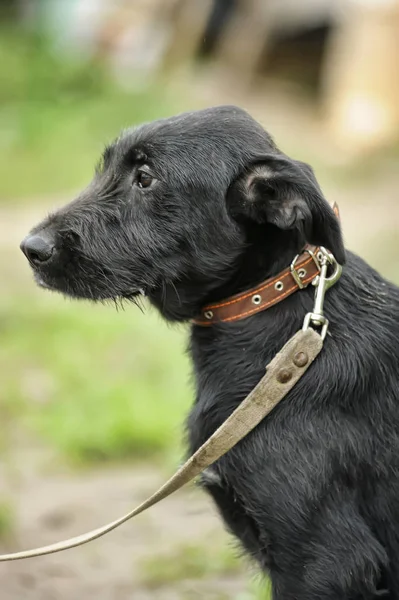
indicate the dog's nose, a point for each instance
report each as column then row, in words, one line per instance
column 37, row 249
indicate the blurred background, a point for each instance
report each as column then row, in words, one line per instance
column 93, row 400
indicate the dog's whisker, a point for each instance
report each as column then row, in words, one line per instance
column 177, row 293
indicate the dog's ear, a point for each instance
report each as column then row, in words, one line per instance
column 285, row 192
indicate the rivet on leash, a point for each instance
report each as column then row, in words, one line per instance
column 284, row 376
column 301, row 359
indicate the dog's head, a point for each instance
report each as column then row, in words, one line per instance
column 177, row 208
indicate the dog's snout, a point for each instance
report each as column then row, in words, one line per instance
column 37, row 249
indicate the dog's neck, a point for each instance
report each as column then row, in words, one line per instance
column 267, row 252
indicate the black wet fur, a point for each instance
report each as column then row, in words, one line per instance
column 313, row 492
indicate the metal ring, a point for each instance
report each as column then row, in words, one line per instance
column 301, row 273
column 279, row 286
column 208, row 314
column 257, row 299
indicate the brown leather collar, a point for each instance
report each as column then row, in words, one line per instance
column 302, row 271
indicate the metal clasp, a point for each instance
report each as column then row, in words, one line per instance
column 322, row 283
column 295, row 274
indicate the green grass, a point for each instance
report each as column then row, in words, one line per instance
column 98, row 384
column 260, row 589
column 199, row 562
column 188, row 562
column 7, row 519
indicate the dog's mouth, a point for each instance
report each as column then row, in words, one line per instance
column 132, row 293
column 41, row 282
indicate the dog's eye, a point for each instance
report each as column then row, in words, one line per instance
column 143, row 179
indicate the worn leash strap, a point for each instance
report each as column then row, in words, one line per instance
column 282, row 373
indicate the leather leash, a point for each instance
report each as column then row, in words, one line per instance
column 282, row 373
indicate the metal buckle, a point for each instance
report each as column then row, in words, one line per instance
column 294, row 272
column 322, row 283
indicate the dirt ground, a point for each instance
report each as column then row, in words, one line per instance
column 51, row 506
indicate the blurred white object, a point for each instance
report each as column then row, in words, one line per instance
column 131, row 35
column 73, row 24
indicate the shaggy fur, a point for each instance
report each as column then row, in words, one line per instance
column 197, row 207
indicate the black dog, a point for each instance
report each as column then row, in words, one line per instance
column 190, row 210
